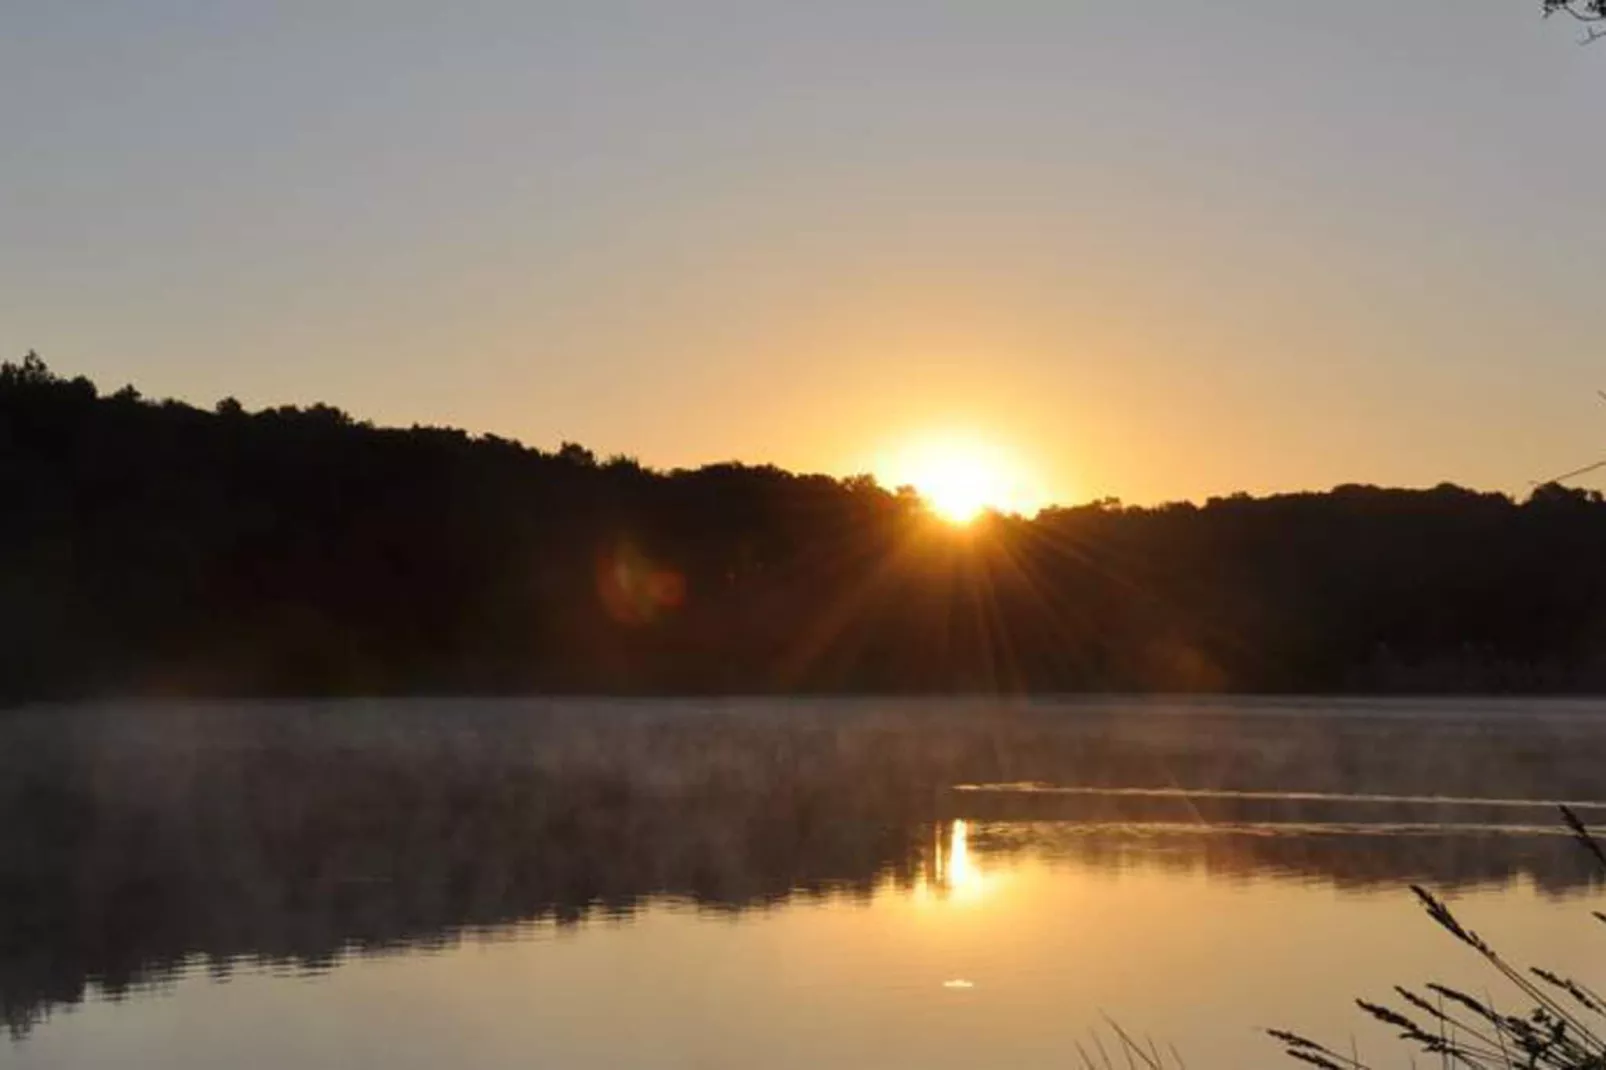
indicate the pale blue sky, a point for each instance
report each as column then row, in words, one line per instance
column 1156, row 250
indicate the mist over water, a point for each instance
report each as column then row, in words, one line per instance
column 806, row 879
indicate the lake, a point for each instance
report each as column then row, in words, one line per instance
column 769, row 883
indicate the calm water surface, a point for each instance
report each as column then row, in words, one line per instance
column 765, row 883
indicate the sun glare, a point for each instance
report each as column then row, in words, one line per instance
column 960, row 478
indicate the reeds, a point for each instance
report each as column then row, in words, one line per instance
column 1135, row 1054
column 1558, row 1026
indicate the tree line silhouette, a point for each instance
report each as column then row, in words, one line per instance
column 156, row 548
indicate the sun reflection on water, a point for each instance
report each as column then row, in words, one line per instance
column 955, row 873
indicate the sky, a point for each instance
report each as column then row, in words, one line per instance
column 1155, row 250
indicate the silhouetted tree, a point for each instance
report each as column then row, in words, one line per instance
column 576, row 454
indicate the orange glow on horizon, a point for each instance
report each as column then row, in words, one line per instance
column 961, row 477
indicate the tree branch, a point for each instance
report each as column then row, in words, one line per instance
column 1582, row 10
column 1587, row 11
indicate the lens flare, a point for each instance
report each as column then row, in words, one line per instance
column 633, row 589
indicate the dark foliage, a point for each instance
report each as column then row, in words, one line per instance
column 1586, row 11
column 156, row 548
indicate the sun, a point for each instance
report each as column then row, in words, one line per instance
column 960, row 477
column 958, row 488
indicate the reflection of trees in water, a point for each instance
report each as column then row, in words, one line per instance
column 1344, row 841
column 133, row 845
column 1345, row 857
column 138, row 839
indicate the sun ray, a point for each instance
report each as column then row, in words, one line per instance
column 818, row 637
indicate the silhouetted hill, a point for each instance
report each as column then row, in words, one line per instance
column 156, row 548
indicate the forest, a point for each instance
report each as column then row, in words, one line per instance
column 153, row 548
